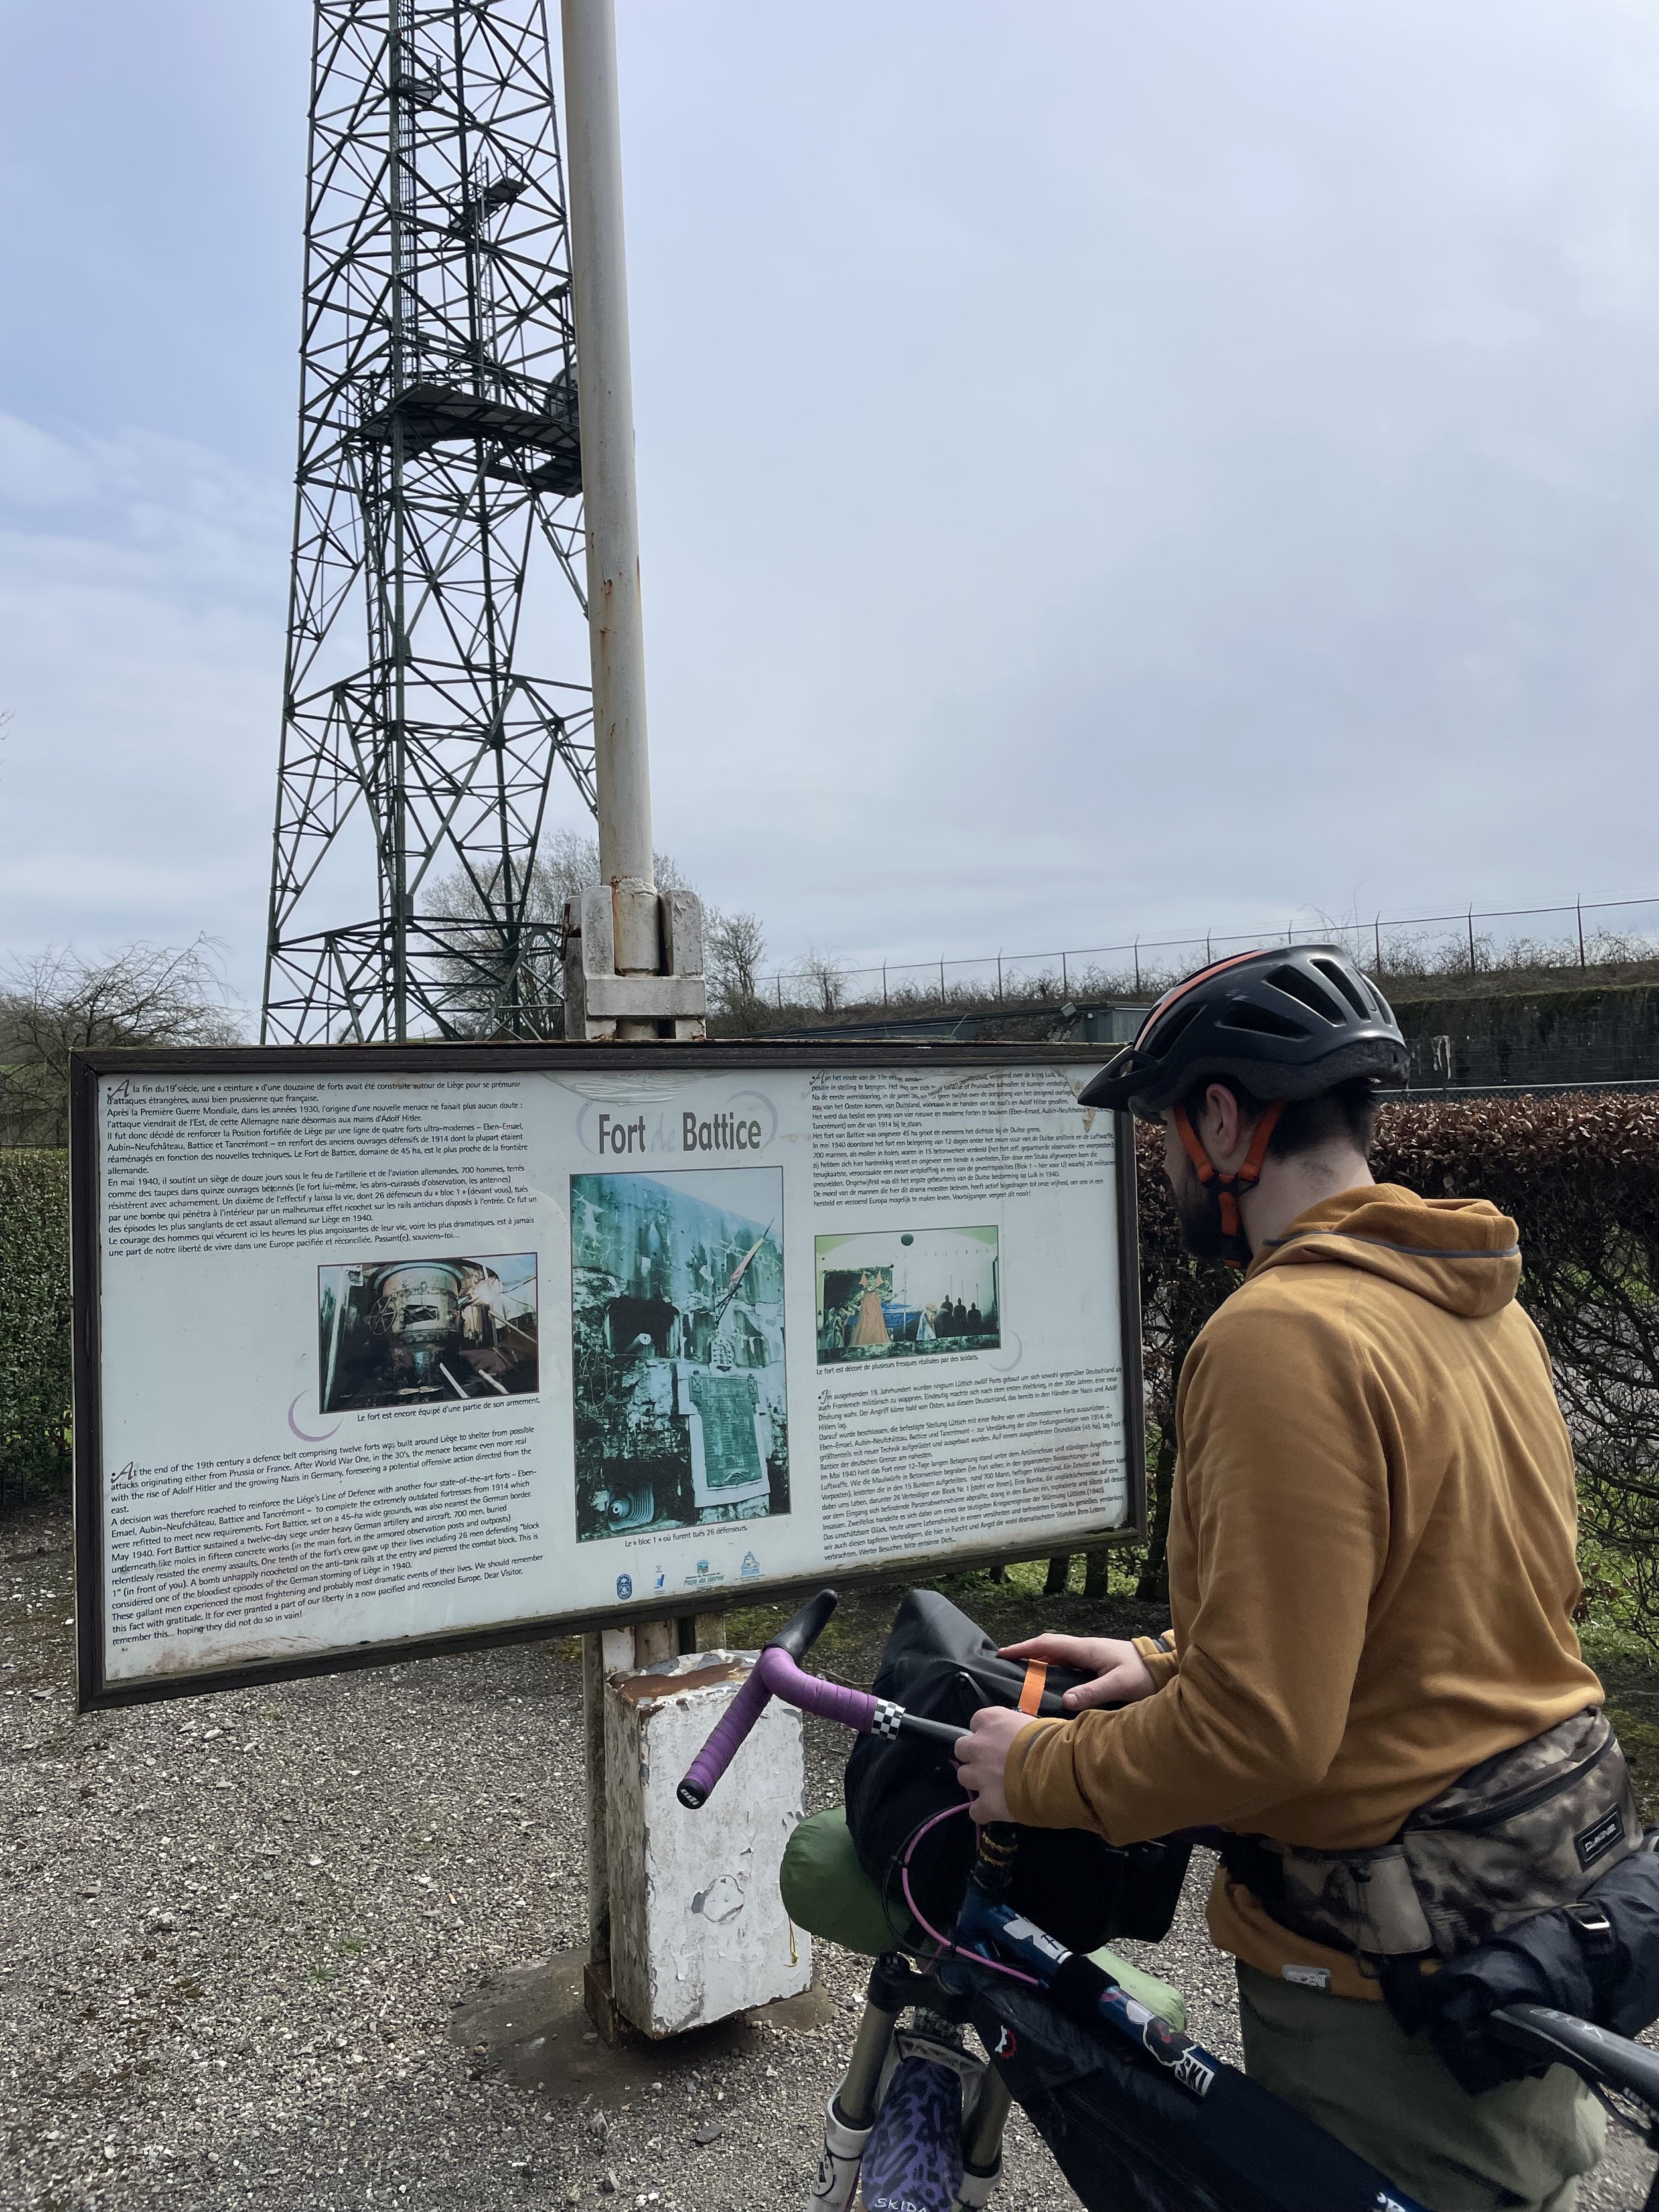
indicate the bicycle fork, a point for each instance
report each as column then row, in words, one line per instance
column 850, row 2115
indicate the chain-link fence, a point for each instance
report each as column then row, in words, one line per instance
column 1446, row 951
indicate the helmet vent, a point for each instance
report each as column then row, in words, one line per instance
column 1172, row 1025
column 1296, row 983
column 1261, row 1020
column 1332, row 974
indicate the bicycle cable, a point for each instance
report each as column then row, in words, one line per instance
column 948, row 1945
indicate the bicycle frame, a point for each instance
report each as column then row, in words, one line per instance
column 989, row 1934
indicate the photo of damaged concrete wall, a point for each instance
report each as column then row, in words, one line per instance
column 411, row 1332
column 676, row 1328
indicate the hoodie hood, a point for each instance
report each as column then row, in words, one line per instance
column 1460, row 1252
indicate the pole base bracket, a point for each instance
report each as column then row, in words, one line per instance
column 597, row 998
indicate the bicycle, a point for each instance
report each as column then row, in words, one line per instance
column 1140, row 2116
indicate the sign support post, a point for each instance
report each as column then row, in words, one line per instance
column 633, row 960
column 633, row 957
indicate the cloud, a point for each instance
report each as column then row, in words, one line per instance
column 141, row 581
column 1185, row 465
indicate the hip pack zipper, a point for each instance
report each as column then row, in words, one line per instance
column 1522, row 1801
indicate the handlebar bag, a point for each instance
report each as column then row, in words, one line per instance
column 1084, row 1891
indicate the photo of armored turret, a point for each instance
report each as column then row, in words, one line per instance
column 677, row 1339
column 412, row 1332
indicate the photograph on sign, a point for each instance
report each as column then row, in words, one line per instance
column 391, row 1332
column 678, row 1349
column 886, row 1294
column 488, row 1340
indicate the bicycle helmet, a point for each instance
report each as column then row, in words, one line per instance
column 1288, row 1024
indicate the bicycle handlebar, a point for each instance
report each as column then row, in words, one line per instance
column 777, row 1674
column 1596, row 2051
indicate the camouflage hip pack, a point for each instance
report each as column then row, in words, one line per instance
column 1525, row 1832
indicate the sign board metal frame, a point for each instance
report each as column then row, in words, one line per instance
column 88, row 1067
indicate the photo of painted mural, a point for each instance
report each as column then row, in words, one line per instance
column 888, row 1294
column 677, row 1343
column 407, row 1332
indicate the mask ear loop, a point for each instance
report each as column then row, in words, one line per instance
column 1244, row 1175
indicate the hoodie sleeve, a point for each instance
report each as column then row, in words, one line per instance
column 1283, row 1501
column 1160, row 1655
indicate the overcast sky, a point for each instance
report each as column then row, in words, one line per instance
column 1102, row 468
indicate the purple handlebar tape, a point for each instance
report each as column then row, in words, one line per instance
column 831, row 1701
column 775, row 1675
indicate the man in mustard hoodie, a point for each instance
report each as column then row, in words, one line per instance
column 1370, row 1557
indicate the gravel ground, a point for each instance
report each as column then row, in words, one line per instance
column 317, row 1946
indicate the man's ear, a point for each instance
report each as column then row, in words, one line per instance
column 1223, row 1125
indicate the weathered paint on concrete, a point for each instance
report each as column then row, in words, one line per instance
column 697, row 1929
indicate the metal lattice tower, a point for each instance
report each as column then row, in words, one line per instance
column 440, row 468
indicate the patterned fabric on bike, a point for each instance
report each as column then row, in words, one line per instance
column 1130, row 2139
column 942, row 1666
column 912, row 2161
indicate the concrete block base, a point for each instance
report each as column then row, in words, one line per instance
column 698, row 1930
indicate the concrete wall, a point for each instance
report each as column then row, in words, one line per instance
column 1598, row 1035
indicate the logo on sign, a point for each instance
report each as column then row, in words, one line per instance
column 751, row 1567
column 624, row 1586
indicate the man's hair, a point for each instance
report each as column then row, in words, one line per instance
column 1346, row 1114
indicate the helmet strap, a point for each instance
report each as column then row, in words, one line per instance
column 1245, row 1175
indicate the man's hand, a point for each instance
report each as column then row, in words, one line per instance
column 1120, row 1673
column 982, row 1755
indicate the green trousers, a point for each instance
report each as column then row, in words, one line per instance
column 1351, row 2067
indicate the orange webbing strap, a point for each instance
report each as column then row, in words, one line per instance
column 1195, row 1151
column 1248, row 1169
column 1030, row 1690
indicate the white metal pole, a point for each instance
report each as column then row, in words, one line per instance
column 606, row 391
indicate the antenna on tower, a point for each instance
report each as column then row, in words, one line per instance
column 439, row 467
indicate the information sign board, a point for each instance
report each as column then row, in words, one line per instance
column 384, row 1350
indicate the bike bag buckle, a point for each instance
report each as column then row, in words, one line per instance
column 1591, row 1925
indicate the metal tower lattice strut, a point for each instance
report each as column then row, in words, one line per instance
column 440, row 468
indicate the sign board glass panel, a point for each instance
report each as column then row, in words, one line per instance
column 381, row 1350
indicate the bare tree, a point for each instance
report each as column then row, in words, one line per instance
column 149, row 994
column 823, row 977
column 734, row 945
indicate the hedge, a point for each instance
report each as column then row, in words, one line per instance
column 1579, row 1173
column 34, row 1321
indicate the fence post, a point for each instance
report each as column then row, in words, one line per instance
column 998, row 978
column 1065, row 982
column 1376, row 932
column 941, row 983
column 1579, row 906
column 1472, row 968
column 883, row 987
column 1137, row 964
column 778, row 979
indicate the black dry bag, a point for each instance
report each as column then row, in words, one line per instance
column 1070, row 1880
column 1597, row 1959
